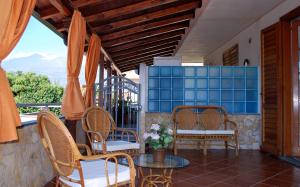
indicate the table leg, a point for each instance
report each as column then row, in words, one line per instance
column 153, row 180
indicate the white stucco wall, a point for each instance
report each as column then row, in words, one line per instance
column 252, row 50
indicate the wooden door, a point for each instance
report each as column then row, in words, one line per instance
column 295, row 84
column 271, row 88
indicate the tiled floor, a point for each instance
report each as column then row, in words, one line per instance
column 219, row 168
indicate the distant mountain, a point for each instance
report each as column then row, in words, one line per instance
column 54, row 68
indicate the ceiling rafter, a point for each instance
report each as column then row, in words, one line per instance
column 129, row 9
column 146, row 34
column 146, row 17
column 146, row 27
column 49, row 13
column 146, row 48
column 176, row 35
column 81, row 3
column 141, row 54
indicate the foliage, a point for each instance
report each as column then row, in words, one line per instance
column 32, row 88
column 159, row 136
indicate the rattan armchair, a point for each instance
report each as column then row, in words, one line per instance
column 74, row 169
column 104, row 136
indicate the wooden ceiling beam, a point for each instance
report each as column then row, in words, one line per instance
column 129, row 9
column 135, row 66
column 82, row 3
column 175, row 36
column 145, row 17
column 146, row 34
column 49, row 13
column 149, row 55
column 61, row 7
column 147, row 48
column 141, row 54
column 146, row 27
column 142, row 43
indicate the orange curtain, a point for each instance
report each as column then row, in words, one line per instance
column 14, row 17
column 72, row 103
column 92, row 61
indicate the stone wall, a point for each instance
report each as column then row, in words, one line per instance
column 24, row 163
column 249, row 127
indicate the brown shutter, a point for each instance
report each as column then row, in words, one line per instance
column 271, row 84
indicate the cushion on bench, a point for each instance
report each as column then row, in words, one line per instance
column 206, row 132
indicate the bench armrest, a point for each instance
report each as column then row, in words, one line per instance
column 231, row 124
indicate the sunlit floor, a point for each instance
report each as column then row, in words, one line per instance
column 219, row 168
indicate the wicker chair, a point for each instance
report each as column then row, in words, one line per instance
column 74, row 169
column 204, row 124
column 104, row 136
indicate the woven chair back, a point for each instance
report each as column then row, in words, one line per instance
column 58, row 142
column 212, row 118
column 186, row 119
column 99, row 120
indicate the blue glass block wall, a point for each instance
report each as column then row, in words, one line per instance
column 233, row 87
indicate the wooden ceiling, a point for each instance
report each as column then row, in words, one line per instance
column 132, row 31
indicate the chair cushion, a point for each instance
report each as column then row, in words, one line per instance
column 94, row 174
column 219, row 132
column 206, row 132
column 117, row 145
column 199, row 132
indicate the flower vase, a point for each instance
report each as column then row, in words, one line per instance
column 159, row 155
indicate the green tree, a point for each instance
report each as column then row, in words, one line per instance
column 33, row 88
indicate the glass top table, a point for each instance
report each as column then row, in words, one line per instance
column 171, row 161
column 165, row 177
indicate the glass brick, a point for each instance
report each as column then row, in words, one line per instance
column 214, row 71
column 176, row 103
column 153, row 106
column 251, row 84
column 227, row 83
column 239, row 95
column 153, row 83
column 201, row 103
column 214, row 95
column 189, row 83
column 239, row 83
column 251, row 72
column 153, row 95
column 201, row 71
column 189, row 95
column 201, row 83
column 189, row 103
column 239, row 107
column 177, row 95
column 251, row 107
column 227, row 95
column 177, row 83
column 228, row 106
column 165, row 106
column 202, row 95
column 165, row 71
column 251, row 95
column 212, row 103
column 227, row 72
column 214, row 83
column 239, row 72
column 153, row 71
column 189, row 71
column 165, row 94
column 165, row 83
column 177, row 71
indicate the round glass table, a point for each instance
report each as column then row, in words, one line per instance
column 165, row 178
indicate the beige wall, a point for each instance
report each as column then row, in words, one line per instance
column 252, row 50
column 25, row 163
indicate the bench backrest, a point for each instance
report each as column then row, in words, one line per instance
column 199, row 117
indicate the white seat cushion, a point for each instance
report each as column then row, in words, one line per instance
column 207, row 132
column 94, row 174
column 116, row 145
column 219, row 132
column 199, row 132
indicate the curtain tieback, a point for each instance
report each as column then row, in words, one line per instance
column 89, row 86
column 72, row 77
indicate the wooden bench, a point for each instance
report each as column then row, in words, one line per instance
column 204, row 124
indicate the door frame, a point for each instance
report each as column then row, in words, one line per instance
column 289, row 109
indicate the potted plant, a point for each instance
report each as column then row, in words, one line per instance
column 159, row 137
